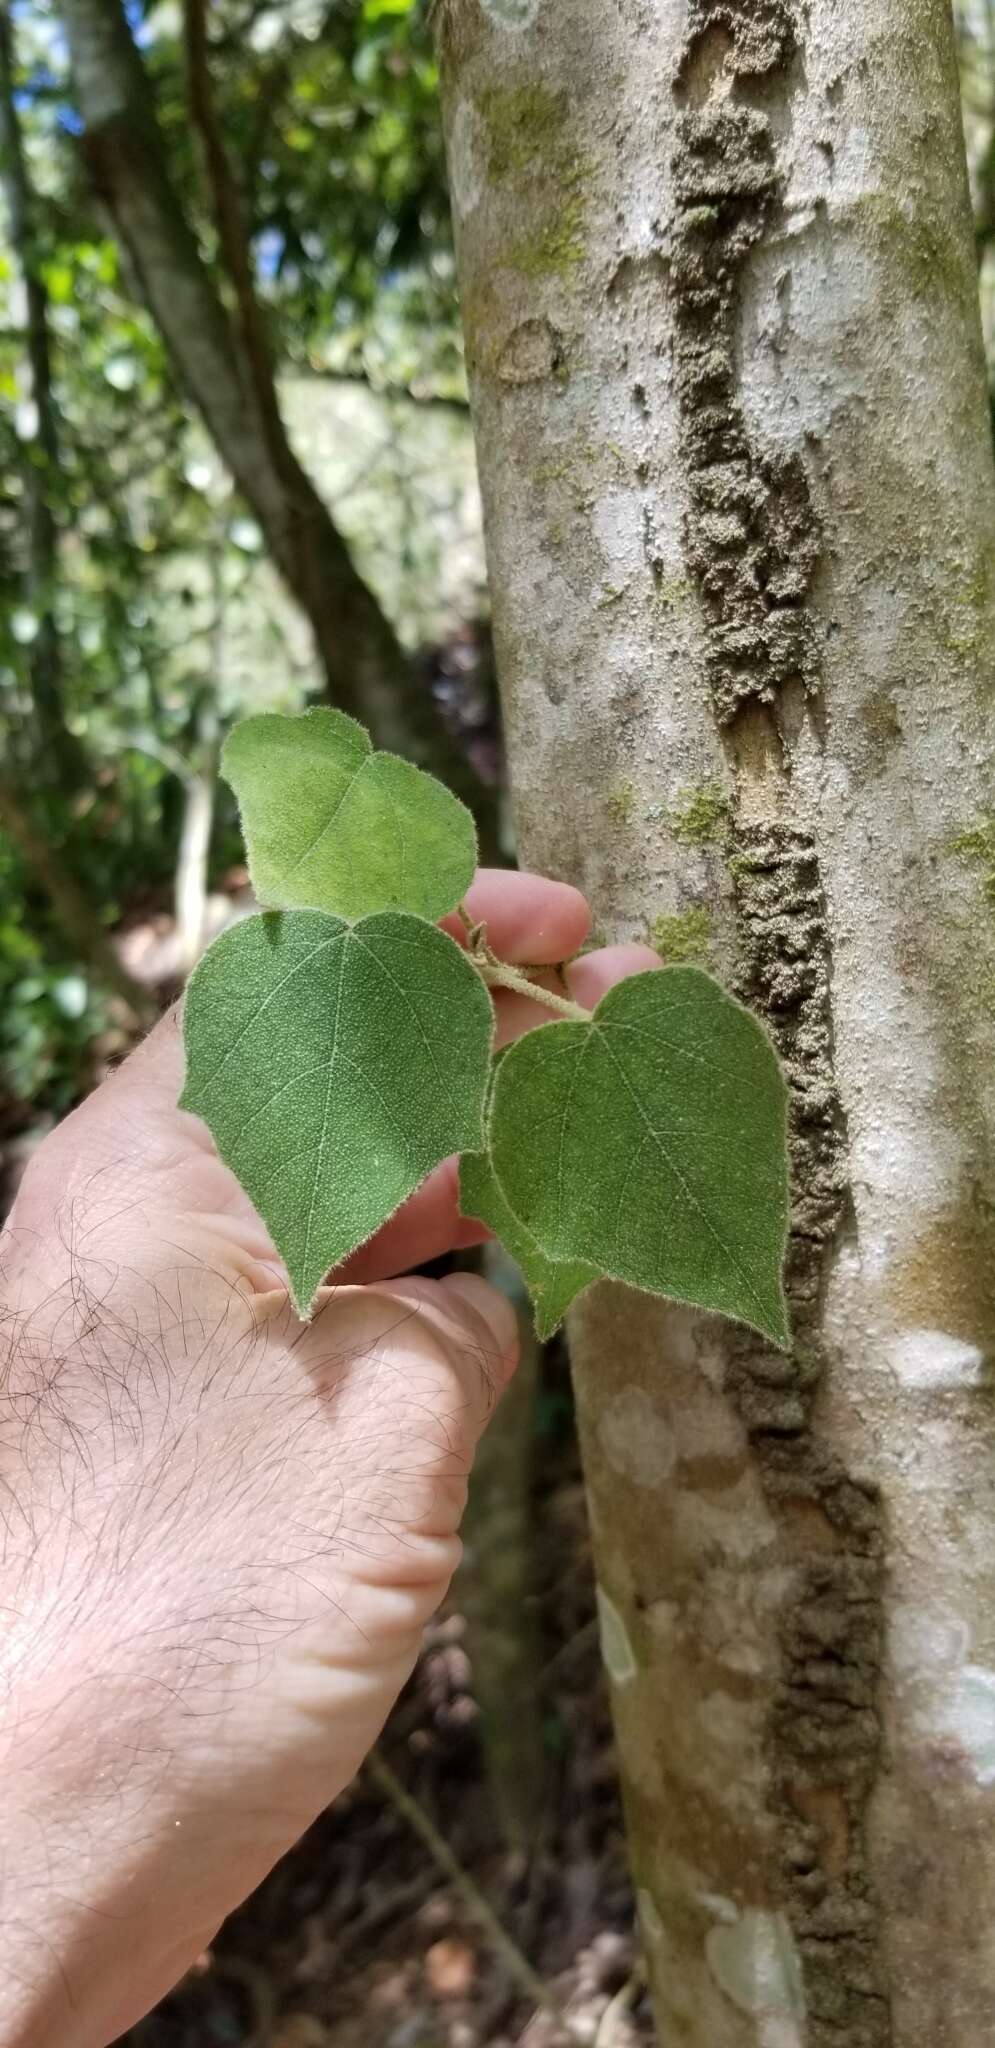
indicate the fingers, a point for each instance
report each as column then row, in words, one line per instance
column 529, row 919
column 590, row 978
column 426, row 1225
column 411, row 1344
column 429, row 1223
column 587, row 981
column 470, row 1315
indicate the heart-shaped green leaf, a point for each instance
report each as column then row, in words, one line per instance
column 331, row 825
column 652, row 1143
column 553, row 1285
column 335, row 1065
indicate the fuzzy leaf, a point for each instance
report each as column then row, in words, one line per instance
column 652, row 1143
column 331, row 825
column 552, row 1284
column 335, row 1065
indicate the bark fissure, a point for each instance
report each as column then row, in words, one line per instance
column 753, row 544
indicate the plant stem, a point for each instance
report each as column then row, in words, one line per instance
column 622, row 2003
column 518, row 1966
column 497, row 974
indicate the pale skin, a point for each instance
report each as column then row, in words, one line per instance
column 222, row 1531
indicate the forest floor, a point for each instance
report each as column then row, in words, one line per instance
column 359, row 1940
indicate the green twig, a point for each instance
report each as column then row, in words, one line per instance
column 622, row 2002
column 498, row 974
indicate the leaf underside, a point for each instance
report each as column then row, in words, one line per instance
column 552, row 1284
column 331, row 825
column 335, row 1065
column 651, row 1144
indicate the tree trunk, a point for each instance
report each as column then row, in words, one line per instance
column 89, row 939
column 721, row 313
column 496, row 1588
column 368, row 671
column 61, row 758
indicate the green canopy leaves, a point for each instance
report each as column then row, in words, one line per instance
column 651, row 1143
column 335, row 1066
column 330, row 824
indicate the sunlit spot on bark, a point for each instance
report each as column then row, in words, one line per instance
column 616, row 1649
column 969, row 1717
column 931, row 1358
column 755, row 1962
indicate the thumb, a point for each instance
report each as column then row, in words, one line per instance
column 457, row 1348
column 477, row 1325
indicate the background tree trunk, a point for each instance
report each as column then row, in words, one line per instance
column 223, row 364
column 70, row 904
column 59, row 756
column 720, row 305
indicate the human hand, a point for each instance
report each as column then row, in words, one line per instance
column 223, row 1530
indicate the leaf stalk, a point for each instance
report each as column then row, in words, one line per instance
column 498, row 974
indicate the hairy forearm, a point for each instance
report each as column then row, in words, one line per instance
column 94, row 1650
column 221, row 1534
column 98, row 1828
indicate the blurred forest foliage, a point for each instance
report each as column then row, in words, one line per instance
column 158, row 576
column 141, row 608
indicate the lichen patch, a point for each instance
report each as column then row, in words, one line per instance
column 968, row 1716
column 754, row 1961
column 467, row 158
column 511, row 14
column 636, row 1440
column 931, row 1358
column 616, row 1649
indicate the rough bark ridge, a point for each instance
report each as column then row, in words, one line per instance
column 754, row 536
column 753, row 546
column 720, row 303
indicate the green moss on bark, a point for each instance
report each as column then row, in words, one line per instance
column 683, row 934
column 524, row 123
column 700, row 815
column 528, row 140
column 976, row 847
column 620, row 803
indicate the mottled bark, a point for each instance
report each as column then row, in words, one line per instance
column 496, row 1588
column 720, row 303
column 219, row 362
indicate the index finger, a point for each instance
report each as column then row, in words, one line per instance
column 530, row 921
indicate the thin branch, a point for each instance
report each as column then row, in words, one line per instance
column 497, row 973
column 518, row 1966
column 230, row 223
column 448, row 402
column 617, row 2007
